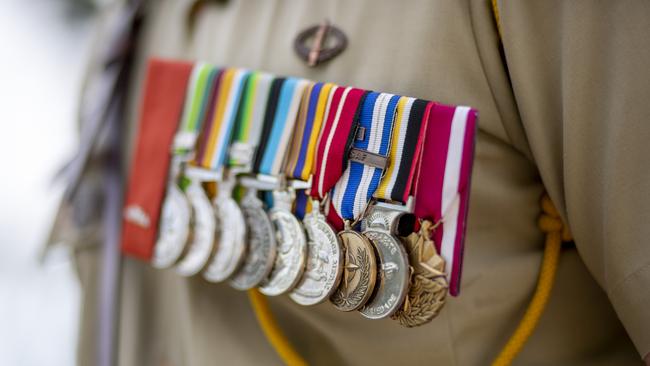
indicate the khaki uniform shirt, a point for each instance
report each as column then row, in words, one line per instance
column 565, row 108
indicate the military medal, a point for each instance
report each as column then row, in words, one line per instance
column 203, row 231
column 335, row 108
column 441, row 195
column 162, row 102
column 208, row 167
column 175, row 235
column 245, row 138
column 262, row 243
column 393, row 266
column 428, row 283
column 292, row 247
column 232, row 235
column 360, row 265
column 203, row 227
column 359, row 271
column 392, row 202
column 290, row 235
column 289, row 229
column 219, row 110
column 352, row 193
column 175, row 220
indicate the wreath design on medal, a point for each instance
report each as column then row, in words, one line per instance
column 428, row 283
column 357, row 265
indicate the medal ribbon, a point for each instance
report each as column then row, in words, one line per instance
column 218, row 129
column 299, row 132
column 195, row 107
column 443, row 181
column 300, row 164
column 250, row 120
column 284, row 121
column 267, row 125
column 165, row 88
column 341, row 112
column 359, row 181
column 408, row 136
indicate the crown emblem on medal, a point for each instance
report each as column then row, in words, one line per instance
column 320, row 43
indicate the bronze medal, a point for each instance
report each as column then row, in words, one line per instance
column 429, row 286
column 359, row 272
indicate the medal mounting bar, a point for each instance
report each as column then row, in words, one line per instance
column 407, row 207
column 298, row 184
column 386, row 215
column 260, row 182
column 203, row 175
column 184, row 140
column 368, row 158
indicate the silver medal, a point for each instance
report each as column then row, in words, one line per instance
column 204, row 230
column 392, row 282
column 292, row 246
column 259, row 259
column 232, row 236
column 323, row 269
column 174, row 229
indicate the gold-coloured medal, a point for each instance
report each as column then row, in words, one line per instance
column 428, row 290
column 359, row 272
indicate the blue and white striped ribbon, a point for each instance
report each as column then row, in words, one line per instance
column 358, row 183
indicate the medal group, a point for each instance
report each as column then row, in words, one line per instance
column 318, row 191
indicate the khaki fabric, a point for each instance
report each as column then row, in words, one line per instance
column 568, row 113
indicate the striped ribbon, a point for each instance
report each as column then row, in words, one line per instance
column 300, row 164
column 216, row 133
column 340, row 114
column 195, row 107
column 358, row 183
column 443, row 180
column 267, row 124
column 299, row 132
column 405, row 147
column 250, row 120
column 300, row 161
column 281, row 131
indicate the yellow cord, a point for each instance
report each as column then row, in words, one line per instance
column 272, row 331
column 556, row 232
column 495, row 12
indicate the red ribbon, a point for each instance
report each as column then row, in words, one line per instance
column 164, row 94
column 437, row 167
column 330, row 161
